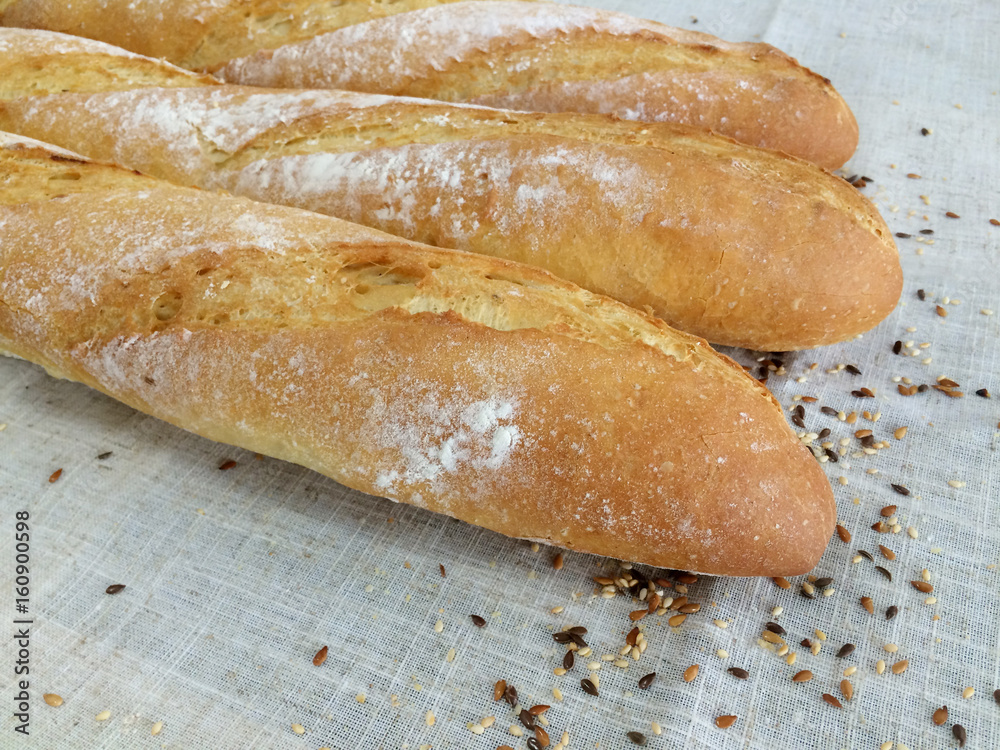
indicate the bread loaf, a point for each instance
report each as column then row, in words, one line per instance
column 742, row 246
column 558, row 58
column 198, row 33
column 517, row 55
column 471, row 386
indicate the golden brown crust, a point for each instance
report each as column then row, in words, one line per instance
column 558, row 58
column 742, row 246
column 197, row 33
column 471, row 386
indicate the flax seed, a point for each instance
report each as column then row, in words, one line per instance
column 724, row 722
column 900, row 666
column 53, row 699
column 922, row 586
column 832, row 700
column 691, row 673
column 847, row 689
column 804, row 676
column 868, row 604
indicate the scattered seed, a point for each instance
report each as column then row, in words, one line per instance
column 775, row 628
column 527, row 719
column 441, row 568
column 900, row 489
column 104, row 456
column 926, row 231
column 298, row 729
column 900, row 666
column 891, row 612
column 844, row 534
column 533, row 744
column 53, row 699
column 510, row 695
column 557, row 561
column 103, row 716
column 647, row 680
column 887, row 553
column 638, row 738
column 868, row 604
column 320, row 656
column 738, row 672
column 847, row 689
column 996, row 696
column 500, row 689
column 637, row 615
column 900, row 433
column 942, row 313
column 115, row 588
column 832, row 700
column 478, row 621
column 781, row 583
column 983, row 392
column 959, row 731
column 588, row 687
column 866, row 554
column 940, row 716
column 968, row 692
column 657, row 730
column 846, row 650
column 922, row 586
column 227, row 465
column 804, row 676
column 691, row 672
column 724, row 722
column 54, row 476
column 157, row 728
column 568, row 660
column 676, row 620
column 542, row 737
column 952, row 215
column 823, row 582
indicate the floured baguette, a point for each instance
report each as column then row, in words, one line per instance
column 513, row 54
column 483, row 389
column 742, row 246
column 559, row 58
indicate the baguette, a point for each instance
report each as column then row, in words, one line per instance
column 517, row 55
column 558, row 58
column 731, row 243
column 486, row 390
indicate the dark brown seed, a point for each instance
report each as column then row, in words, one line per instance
column 897, row 347
column 948, row 383
column 775, row 628
column 534, row 744
column 891, row 612
column 543, row 737
column 832, row 455
column 940, row 716
column 738, row 673
column 823, row 582
column 647, row 680
column 983, row 392
column 320, row 656
column 922, row 586
column 924, row 131
column 561, row 637
column 588, row 687
column 687, row 578
column 866, row 554
column 844, row 534
column 825, row 432
column 569, row 660
column 884, row 572
column 632, row 637
column 846, row 650
column 797, row 421
column 478, row 621
column 900, row 489
column 923, row 388
column 115, row 588
column 578, row 640
column 527, row 719
column 881, row 527
column 903, row 235
column 952, row 215
column 499, row 689
column 829, row 410
column 102, row 456
column 510, row 695
column 858, row 394
column 959, row 731
column 227, row 465
column 806, row 643
column 852, row 179
column 926, row 231
column 441, row 568
column 853, row 369
column 54, row 476
column 541, row 708
column 832, row 700
column 800, row 410
column 638, row 738
column 888, row 511
column 920, row 292
column 577, row 630
column 996, row 696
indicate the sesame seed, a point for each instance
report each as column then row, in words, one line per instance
column 722, row 653
column 886, row 745
column 53, row 699
column 790, row 659
column 516, row 730
column 557, row 694
column 820, row 634
column 298, row 729
column 450, row 657
column 103, row 716
column 891, row 648
column 968, row 692
column 880, row 666
column 850, row 670
column 657, row 730
column 157, row 728
column 360, row 698
column 912, row 531
column 476, row 728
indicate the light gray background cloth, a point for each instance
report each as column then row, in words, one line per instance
column 235, row 578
